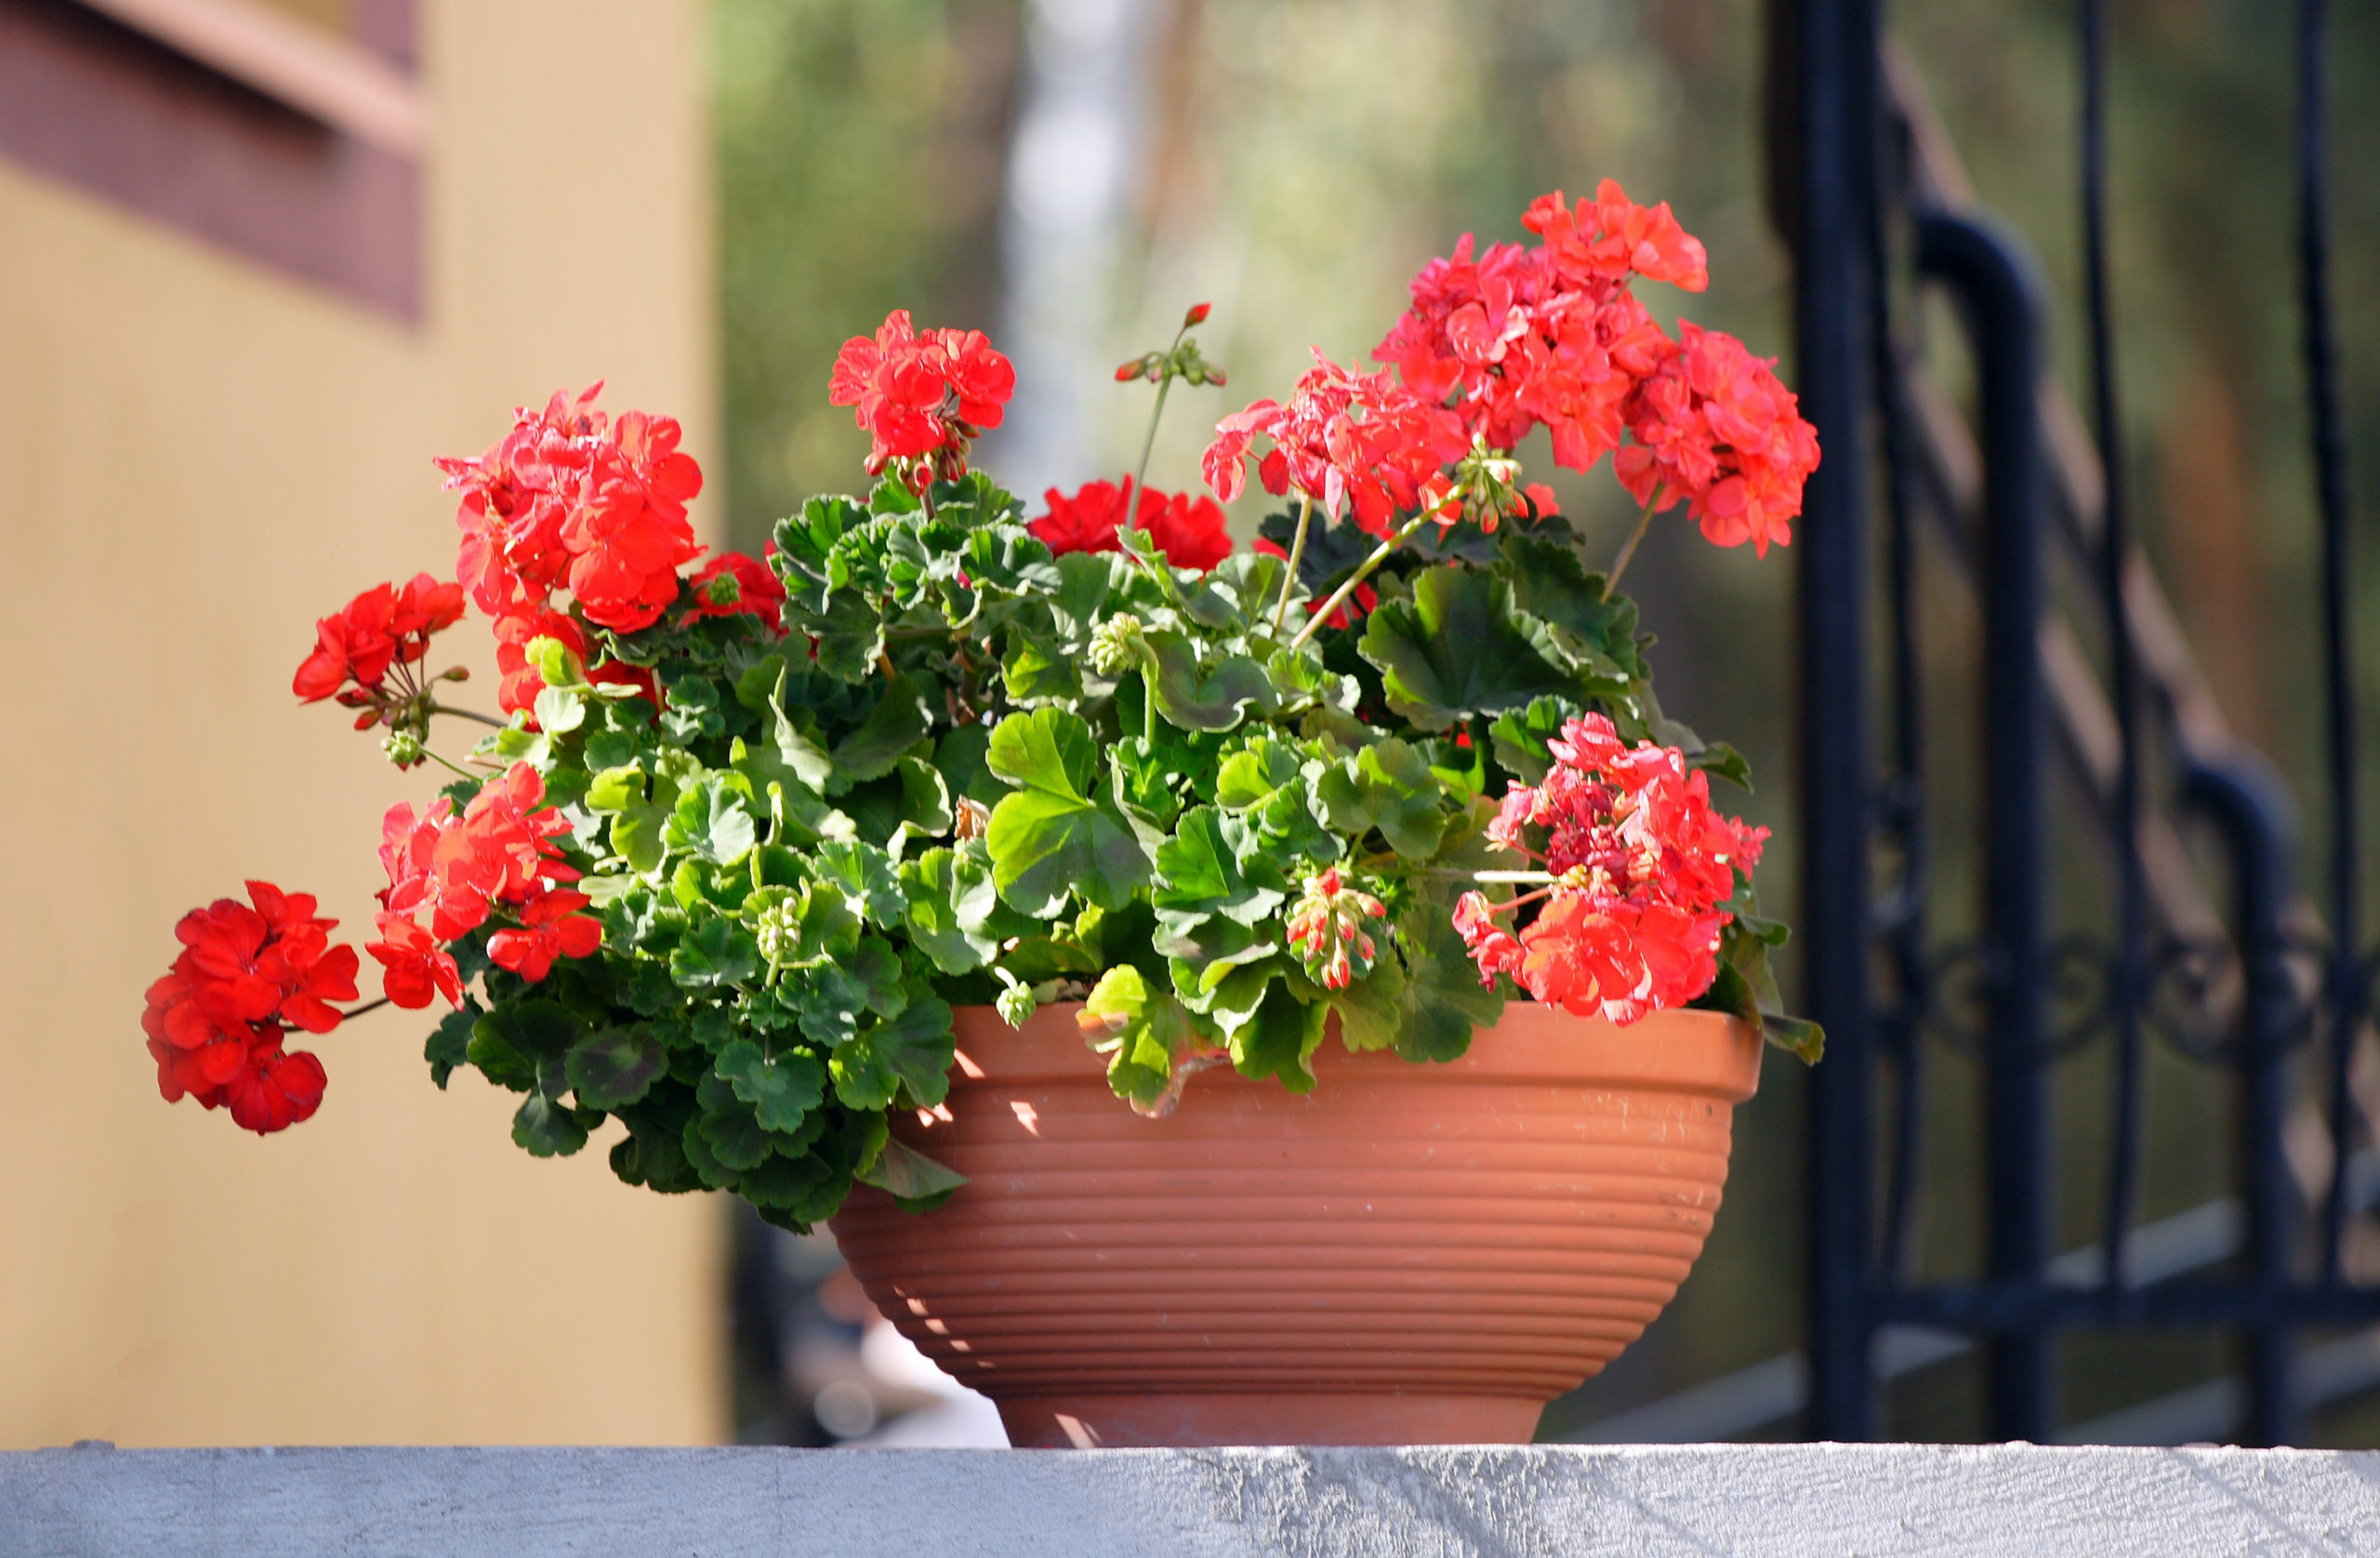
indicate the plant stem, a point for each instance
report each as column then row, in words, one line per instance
column 471, row 714
column 1644, row 522
column 1339, row 597
column 359, row 1011
column 1148, row 703
column 451, row 768
column 1297, row 554
column 1141, row 477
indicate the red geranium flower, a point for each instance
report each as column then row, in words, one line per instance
column 569, row 497
column 1343, row 438
column 1715, row 429
column 215, row 1022
column 755, row 588
column 355, row 646
column 921, row 394
column 1189, row 531
column 1606, row 238
column 550, row 930
column 498, row 854
column 413, row 965
column 1641, row 865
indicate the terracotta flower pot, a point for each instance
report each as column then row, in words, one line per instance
column 1409, row 1254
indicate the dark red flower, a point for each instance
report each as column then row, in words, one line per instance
column 1189, row 531
column 214, row 1021
column 275, row 1089
column 751, row 587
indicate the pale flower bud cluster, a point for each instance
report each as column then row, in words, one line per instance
column 1327, row 930
column 1116, row 645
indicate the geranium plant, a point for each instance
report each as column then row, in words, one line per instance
column 745, row 831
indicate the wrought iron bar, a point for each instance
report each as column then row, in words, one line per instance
column 2114, row 555
column 2249, row 810
column 2346, row 987
column 1832, row 125
column 1992, row 278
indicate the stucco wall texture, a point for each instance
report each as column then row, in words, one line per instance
column 202, row 457
column 1545, row 1501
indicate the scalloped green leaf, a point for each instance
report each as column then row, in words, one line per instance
column 1202, row 697
column 612, row 1068
column 782, row 1089
column 1459, row 647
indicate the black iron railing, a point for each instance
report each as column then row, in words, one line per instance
column 1872, row 200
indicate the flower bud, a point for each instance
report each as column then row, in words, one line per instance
column 1116, row 645
column 403, row 747
column 1197, row 314
column 724, row 590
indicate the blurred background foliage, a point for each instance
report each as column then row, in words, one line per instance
column 1294, row 161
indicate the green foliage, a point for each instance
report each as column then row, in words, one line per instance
column 1007, row 778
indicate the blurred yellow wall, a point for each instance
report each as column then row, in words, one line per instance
column 199, row 458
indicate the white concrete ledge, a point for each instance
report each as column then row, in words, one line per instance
column 1787, row 1499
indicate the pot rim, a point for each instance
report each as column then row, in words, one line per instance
column 1710, row 1052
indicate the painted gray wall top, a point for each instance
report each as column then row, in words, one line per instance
column 1786, row 1500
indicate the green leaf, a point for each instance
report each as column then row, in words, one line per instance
column 897, row 723
column 1723, row 761
column 911, row 1051
column 547, row 1128
column 916, row 1182
column 1205, row 698
column 1797, row 1035
column 716, row 952
column 1281, row 1039
column 1037, row 670
column 508, row 1044
column 450, row 1042
column 560, row 710
column 613, row 1067
column 1047, row 839
column 1388, row 785
column 867, row 874
column 1145, row 1034
column 1251, row 774
column 1211, row 866
column 1520, row 736
column 1461, row 647
column 951, row 897
column 710, row 821
column 1443, row 1002
column 1371, row 1009
column 781, row 1088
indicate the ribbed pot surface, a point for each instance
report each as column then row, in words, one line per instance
column 1409, row 1254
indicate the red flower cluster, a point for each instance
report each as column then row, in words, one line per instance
column 1188, row 530
column 1641, row 865
column 497, row 853
column 571, row 499
column 1344, row 438
column 1552, row 336
column 247, row 973
column 1714, row 427
column 385, row 626
column 922, row 397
